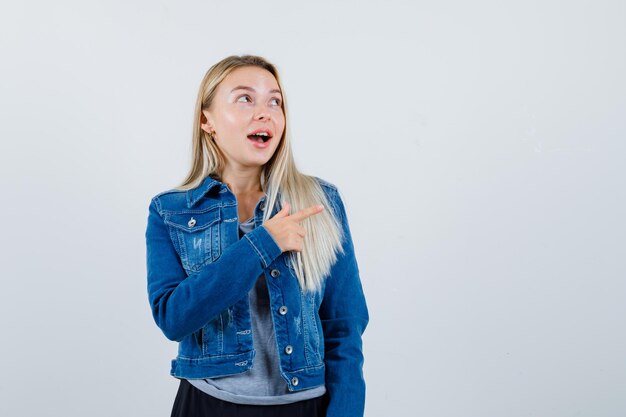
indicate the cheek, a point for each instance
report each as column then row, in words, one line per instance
column 230, row 119
column 280, row 121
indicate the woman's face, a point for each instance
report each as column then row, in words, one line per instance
column 247, row 101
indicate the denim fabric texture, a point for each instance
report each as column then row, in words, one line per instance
column 199, row 273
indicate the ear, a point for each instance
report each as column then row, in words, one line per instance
column 206, row 122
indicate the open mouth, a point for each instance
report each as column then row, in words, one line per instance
column 260, row 137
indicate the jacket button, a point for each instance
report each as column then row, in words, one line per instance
column 282, row 310
column 275, row 273
column 191, row 222
column 294, row 381
column 288, row 350
column 262, row 206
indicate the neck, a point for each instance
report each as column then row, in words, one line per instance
column 243, row 181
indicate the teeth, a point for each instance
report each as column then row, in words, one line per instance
column 262, row 134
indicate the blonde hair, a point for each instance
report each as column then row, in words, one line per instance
column 279, row 176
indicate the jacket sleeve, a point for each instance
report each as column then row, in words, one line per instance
column 182, row 304
column 344, row 316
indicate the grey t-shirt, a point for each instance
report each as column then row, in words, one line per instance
column 263, row 384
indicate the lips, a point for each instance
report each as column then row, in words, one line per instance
column 260, row 135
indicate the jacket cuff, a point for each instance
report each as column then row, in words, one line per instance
column 264, row 245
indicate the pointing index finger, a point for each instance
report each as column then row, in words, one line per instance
column 307, row 212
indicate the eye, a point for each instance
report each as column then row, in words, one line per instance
column 277, row 100
column 244, row 96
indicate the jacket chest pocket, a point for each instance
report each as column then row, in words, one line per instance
column 198, row 237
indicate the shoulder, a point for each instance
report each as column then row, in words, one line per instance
column 326, row 184
column 164, row 194
column 333, row 194
column 169, row 199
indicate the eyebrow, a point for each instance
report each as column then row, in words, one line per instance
column 245, row 87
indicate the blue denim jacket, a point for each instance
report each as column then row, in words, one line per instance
column 199, row 276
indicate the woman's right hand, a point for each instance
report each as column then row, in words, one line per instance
column 287, row 230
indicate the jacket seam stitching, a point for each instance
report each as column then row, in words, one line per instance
column 256, row 250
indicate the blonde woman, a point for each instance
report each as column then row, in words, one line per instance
column 251, row 266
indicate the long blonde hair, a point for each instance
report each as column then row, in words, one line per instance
column 279, row 176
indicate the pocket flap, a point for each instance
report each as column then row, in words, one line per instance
column 191, row 222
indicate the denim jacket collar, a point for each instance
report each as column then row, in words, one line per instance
column 195, row 194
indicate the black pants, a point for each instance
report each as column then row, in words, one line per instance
column 191, row 402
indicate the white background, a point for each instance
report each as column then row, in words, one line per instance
column 479, row 146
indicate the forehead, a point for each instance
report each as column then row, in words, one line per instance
column 258, row 78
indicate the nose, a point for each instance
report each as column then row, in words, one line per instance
column 262, row 113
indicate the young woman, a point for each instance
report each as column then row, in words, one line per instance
column 251, row 266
